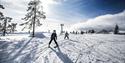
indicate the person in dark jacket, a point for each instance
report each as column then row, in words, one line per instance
column 66, row 35
column 53, row 37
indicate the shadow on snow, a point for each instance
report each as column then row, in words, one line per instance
column 5, row 57
column 62, row 56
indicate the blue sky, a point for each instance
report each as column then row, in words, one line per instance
column 87, row 12
column 67, row 10
column 74, row 10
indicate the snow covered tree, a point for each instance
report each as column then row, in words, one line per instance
column 116, row 30
column 82, row 32
column 11, row 27
column 1, row 18
column 3, row 21
column 1, row 6
column 32, row 18
column 6, row 19
column 1, row 14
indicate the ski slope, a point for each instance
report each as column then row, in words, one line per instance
column 87, row 48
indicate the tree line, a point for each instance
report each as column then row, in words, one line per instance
column 6, row 26
column 104, row 31
column 31, row 20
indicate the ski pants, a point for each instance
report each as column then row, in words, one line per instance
column 66, row 37
column 54, row 41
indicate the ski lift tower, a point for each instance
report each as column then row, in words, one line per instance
column 61, row 28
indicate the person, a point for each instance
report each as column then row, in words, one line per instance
column 53, row 37
column 66, row 35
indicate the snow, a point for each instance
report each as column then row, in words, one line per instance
column 86, row 48
column 38, row 35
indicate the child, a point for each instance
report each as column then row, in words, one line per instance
column 66, row 35
column 53, row 37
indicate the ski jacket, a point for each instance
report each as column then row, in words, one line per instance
column 54, row 36
column 66, row 34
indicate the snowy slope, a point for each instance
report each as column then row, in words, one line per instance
column 88, row 48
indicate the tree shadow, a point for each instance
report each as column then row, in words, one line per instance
column 73, row 40
column 8, row 57
column 29, row 57
column 17, row 46
column 3, row 52
column 21, row 49
column 62, row 56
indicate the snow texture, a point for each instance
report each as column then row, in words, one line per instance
column 87, row 48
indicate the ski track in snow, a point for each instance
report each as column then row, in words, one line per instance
column 86, row 48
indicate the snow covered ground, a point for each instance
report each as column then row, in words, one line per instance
column 87, row 48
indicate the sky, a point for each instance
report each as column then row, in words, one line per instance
column 106, row 22
column 76, row 10
column 70, row 12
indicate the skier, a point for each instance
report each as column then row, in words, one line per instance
column 66, row 35
column 53, row 37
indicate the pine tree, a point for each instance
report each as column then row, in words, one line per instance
column 6, row 20
column 116, row 30
column 13, row 27
column 35, row 13
column 1, row 17
column 1, row 6
column 1, row 14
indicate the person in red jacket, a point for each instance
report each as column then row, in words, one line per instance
column 53, row 37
